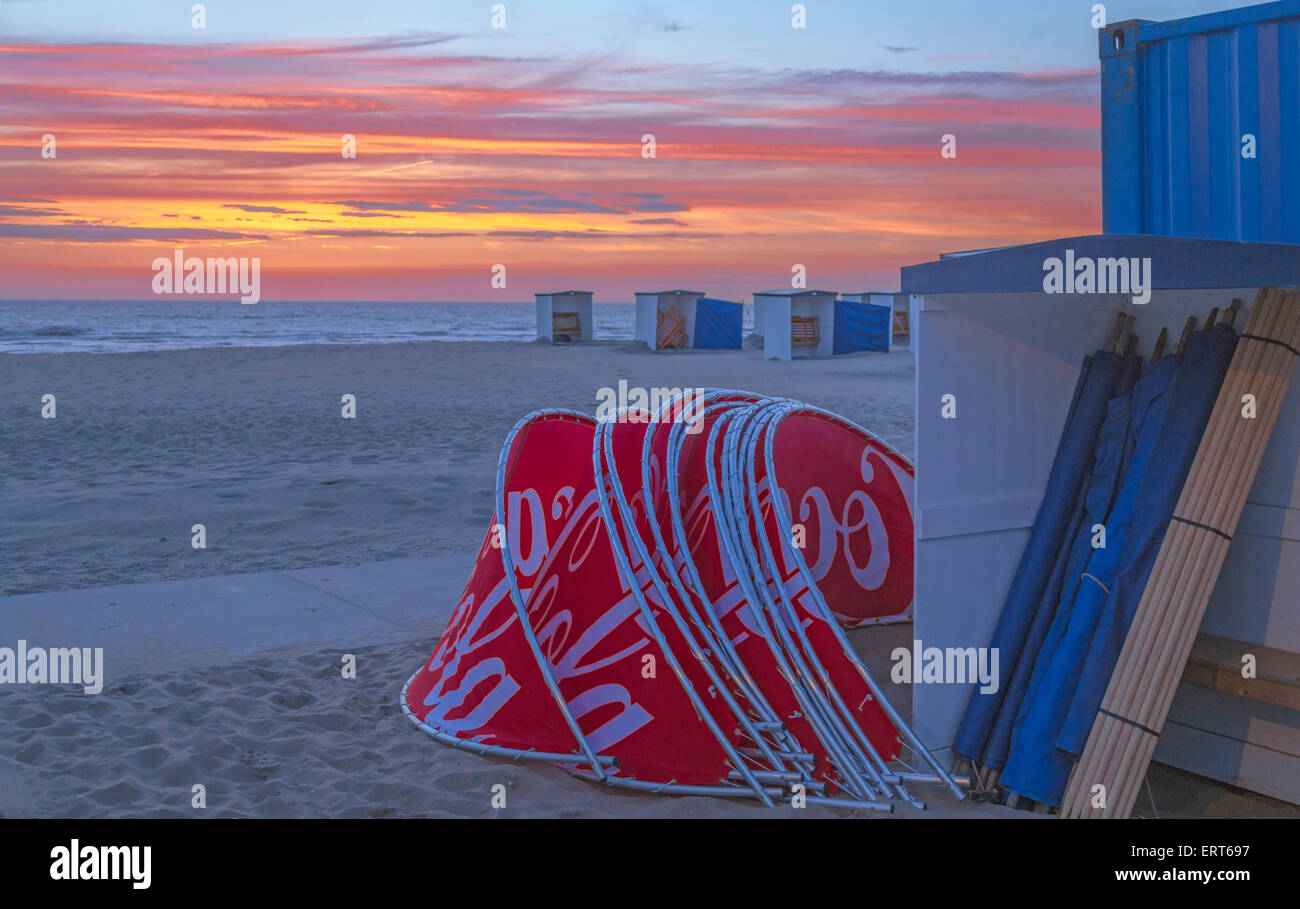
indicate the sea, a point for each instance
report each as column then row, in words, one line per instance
column 123, row 326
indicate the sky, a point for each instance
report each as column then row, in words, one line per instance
column 523, row 145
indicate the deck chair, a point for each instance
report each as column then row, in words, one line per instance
column 670, row 331
column 566, row 325
column 803, row 331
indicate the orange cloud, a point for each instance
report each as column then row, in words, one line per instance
column 462, row 163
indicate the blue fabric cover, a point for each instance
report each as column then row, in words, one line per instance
column 717, row 324
column 1169, row 409
column 1097, row 381
column 1109, row 463
column 1149, row 509
column 862, row 326
column 1070, row 613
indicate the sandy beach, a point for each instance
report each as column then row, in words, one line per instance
column 223, row 667
column 234, row 684
column 251, row 443
column 282, row 736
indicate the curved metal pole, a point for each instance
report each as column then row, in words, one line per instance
column 733, row 549
column 498, row 751
column 647, row 559
column 760, row 429
column 727, row 650
column 606, row 473
column 853, row 762
column 908, row 735
column 516, row 595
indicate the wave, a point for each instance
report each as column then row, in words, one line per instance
column 57, row 331
column 39, row 327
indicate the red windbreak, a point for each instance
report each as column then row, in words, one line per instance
column 610, row 671
column 848, row 498
column 482, row 681
column 832, row 521
column 725, row 595
column 854, row 502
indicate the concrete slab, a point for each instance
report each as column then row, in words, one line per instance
column 407, row 592
column 169, row 625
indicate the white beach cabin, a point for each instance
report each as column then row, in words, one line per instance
column 795, row 323
column 565, row 315
column 665, row 319
column 985, row 332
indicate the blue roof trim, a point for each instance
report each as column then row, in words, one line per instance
column 1176, row 263
column 1213, row 22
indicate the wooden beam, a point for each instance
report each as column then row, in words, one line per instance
column 1216, row 663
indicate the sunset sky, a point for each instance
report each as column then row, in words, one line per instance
column 522, row 146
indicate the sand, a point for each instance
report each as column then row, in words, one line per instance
column 250, row 443
column 285, row 736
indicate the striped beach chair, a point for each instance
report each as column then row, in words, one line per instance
column 804, row 332
column 671, row 329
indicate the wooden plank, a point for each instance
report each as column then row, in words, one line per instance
column 1216, row 663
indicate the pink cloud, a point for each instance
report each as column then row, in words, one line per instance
column 462, row 159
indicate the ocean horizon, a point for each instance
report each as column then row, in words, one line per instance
column 128, row 326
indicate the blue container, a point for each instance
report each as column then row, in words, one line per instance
column 1180, row 101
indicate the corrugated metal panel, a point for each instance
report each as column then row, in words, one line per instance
column 1177, row 99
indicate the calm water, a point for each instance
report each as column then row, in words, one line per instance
column 118, row 326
